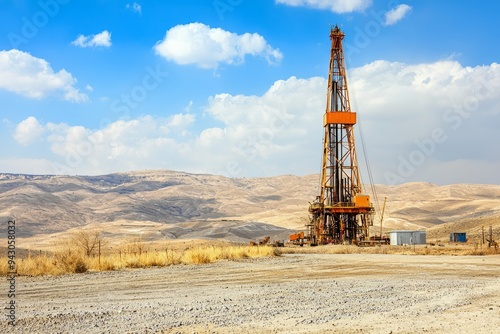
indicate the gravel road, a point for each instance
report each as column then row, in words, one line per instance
column 296, row 293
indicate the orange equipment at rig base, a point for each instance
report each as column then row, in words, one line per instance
column 340, row 213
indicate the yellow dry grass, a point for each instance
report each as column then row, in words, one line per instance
column 447, row 249
column 213, row 254
column 65, row 261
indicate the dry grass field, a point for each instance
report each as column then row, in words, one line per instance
column 71, row 260
column 444, row 249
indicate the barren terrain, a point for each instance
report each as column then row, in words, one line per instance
column 294, row 293
column 297, row 293
column 161, row 206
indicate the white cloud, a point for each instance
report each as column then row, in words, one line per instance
column 258, row 135
column 34, row 78
column 181, row 120
column 101, row 39
column 89, row 88
column 28, row 131
column 134, row 7
column 188, row 107
column 400, row 108
column 336, row 6
column 436, row 114
column 197, row 43
column 396, row 14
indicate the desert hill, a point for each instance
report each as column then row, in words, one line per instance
column 153, row 205
column 416, row 205
column 166, row 205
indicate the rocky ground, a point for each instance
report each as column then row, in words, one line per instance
column 296, row 293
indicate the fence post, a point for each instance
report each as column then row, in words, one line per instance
column 99, row 254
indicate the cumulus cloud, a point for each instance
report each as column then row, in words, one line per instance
column 336, row 6
column 134, row 7
column 28, row 131
column 419, row 122
column 257, row 135
column 262, row 134
column 101, row 39
column 416, row 117
column 34, row 77
column 396, row 14
column 197, row 43
column 141, row 141
column 181, row 120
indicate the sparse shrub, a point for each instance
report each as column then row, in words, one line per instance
column 276, row 252
column 80, row 266
column 70, row 263
column 107, row 263
column 426, row 251
column 198, row 255
column 88, row 241
column 132, row 262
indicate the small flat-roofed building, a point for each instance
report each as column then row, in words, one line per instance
column 407, row 237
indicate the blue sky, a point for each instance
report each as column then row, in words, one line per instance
column 237, row 87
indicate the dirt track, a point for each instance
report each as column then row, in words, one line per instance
column 313, row 293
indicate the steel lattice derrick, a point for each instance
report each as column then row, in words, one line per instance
column 340, row 212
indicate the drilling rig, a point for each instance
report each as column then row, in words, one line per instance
column 341, row 213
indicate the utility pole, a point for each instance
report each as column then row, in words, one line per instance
column 491, row 236
column 482, row 240
column 99, row 253
column 382, row 217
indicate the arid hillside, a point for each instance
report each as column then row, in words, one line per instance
column 158, row 205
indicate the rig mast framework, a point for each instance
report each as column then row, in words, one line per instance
column 341, row 213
